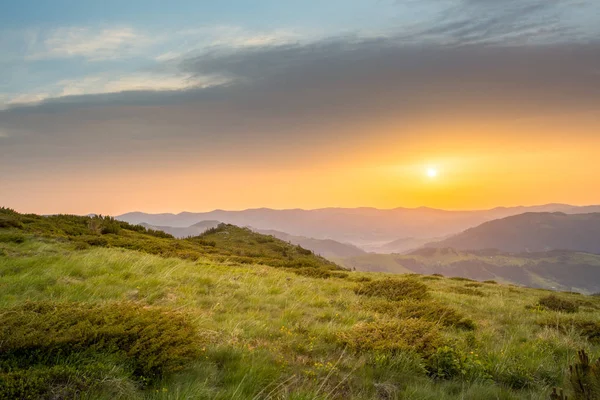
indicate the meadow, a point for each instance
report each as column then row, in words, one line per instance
column 91, row 308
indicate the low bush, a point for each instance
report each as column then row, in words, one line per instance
column 12, row 238
column 449, row 363
column 587, row 328
column 460, row 278
column 555, row 303
column 491, row 282
column 9, row 221
column 149, row 342
column 394, row 289
column 312, row 272
column 81, row 245
column 428, row 310
column 467, row 291
column 473, row 285
column 393, row 336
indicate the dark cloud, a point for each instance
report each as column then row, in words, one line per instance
column 302, row 96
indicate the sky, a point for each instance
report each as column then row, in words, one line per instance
column 116, row 106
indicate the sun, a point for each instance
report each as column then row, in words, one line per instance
column 432, row 172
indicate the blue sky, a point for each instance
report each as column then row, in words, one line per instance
column 61, row 48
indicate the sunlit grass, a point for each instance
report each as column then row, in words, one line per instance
column 270, row 333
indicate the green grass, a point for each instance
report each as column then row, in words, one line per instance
column 265, row 332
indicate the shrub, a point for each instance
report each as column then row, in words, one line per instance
column 393, row 336
column 394, row 289
column 110, row 228
column 448, row 363
column 42, row 383
column 431, row 311
column 150, row 341
column 473, row 285
column 555, row 303
column 312, row 272
column 460, row 278
column 94, row 240
column 80, row 245
column 491, row 282
column 10, row 221
column 467, row 291
column 12, row 238
column 587, row 328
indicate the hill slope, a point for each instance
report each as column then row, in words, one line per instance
column 159, row 322
column 532, row 232
column 225, row 243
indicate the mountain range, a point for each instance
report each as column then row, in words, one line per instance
column 367, row 228
column 531, row 232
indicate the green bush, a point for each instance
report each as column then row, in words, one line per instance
column 467, row 291
column 393, row 336
column 12, row 238
column 555, row 303
column 81, row 245
column 460, row 278
column 394, row 289
column 428, row 310
column 150, row 341
column 312, row 272
column 491, row 282
column 587, row 328
column 449, row 363
column 7, row 221
column 49, row 383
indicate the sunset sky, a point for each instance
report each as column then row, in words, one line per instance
column 116, row 106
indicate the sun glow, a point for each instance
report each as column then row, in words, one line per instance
column 432, row 172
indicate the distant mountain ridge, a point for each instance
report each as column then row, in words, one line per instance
column 531, row 232
column 327, row 248
column 362, row 227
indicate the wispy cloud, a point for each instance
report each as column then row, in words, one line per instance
column 105, row 83
column 92, row 44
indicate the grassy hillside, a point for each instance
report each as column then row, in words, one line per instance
column 224, row 243
column 109, row 322
column 532, row 232
column 560, row 270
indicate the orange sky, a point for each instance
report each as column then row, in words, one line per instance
column 506, row 166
